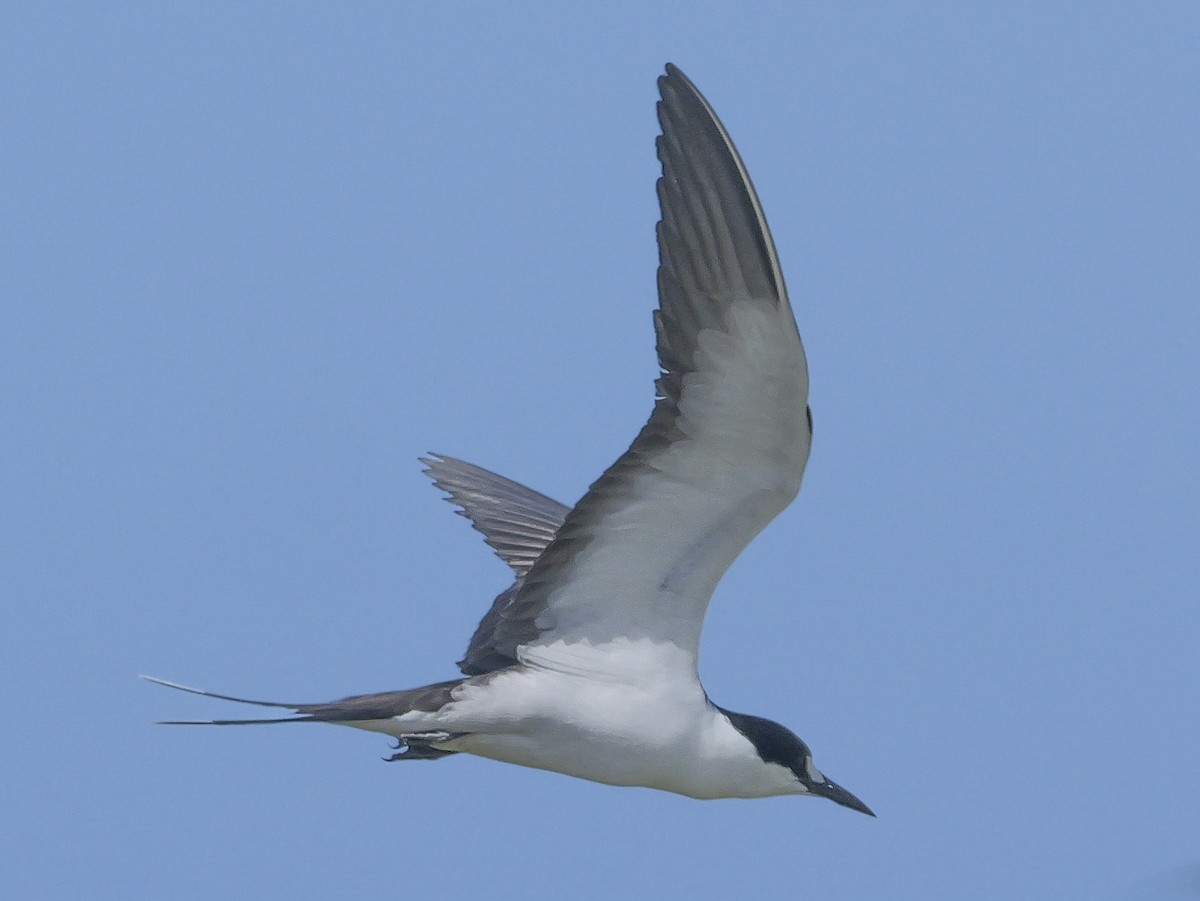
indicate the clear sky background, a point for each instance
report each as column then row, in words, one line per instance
column 254, row 259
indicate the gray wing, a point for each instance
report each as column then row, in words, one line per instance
column 517, row 522
column 635, row 563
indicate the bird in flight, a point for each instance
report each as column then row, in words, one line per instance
column 587, row 664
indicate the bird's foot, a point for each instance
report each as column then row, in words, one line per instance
column 421, row 747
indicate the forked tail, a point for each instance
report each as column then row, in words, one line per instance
column 355, row 709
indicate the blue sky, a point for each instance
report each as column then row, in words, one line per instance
column 257, row 258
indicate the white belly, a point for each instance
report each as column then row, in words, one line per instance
column 664, row 736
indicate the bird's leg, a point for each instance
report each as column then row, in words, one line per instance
column 420, row 747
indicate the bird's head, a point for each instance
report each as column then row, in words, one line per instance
column 776, row 744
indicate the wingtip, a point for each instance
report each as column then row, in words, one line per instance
column 431, row 462
column 676, row 77
column 674, row 72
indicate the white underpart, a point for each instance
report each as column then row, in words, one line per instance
column 651, row 569
column 662, row 735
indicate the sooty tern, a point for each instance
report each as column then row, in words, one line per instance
column 586, row 664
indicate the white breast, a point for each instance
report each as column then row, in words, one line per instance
column 663, row 735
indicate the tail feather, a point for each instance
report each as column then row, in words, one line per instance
column 356, row 708
column 212, row 694
column 258, row 722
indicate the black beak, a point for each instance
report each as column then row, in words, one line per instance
column 836, row 793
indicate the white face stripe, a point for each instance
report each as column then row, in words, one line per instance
column 814, row 774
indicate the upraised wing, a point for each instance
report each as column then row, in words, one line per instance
column 517, row 522
column 636, row 561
